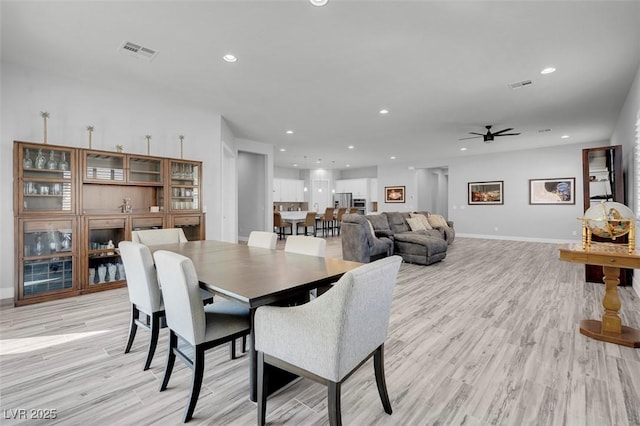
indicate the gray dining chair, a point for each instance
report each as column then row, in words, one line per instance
column 199, row 328
column 152, row 237
column 263, row 239
column 145, row 295
column 353, row 316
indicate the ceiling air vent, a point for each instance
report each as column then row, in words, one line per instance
column 138, row 51
column 520, row 84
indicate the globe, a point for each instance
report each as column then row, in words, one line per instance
column 609, row 219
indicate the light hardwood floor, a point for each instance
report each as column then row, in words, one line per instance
column 489, row 336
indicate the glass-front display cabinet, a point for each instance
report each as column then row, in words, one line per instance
column 144, row 170
column 46, row 174
column 45, row 257
column 103, row 167
column 184, row 190
column 104, row 267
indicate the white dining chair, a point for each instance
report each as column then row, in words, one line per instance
column 303, row 244
column 145, row 295
column 199, row 328
column 354, row 318
column 152, row 237
column 263, row 239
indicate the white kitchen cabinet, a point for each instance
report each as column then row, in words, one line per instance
column 288, row 190
column 359, row 188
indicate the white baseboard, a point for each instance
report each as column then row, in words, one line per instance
column 511, row 238
column 6, row 296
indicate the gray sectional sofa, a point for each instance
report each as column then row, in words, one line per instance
column 367, row 238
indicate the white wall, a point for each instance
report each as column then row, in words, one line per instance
column 287, row 173
column 358, row 173
column 515, row 219
column 119, row 117
column 265, row 181
column 626, row 133
column 251, row 196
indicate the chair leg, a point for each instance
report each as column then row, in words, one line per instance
column 171, row 359
column 133, row 327
column 378, row 365
column 335, row 418
column 153, row 339
column 244, row 343
column 263, row 379
column 233, row 348
column 196, row 383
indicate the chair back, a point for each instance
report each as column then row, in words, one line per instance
column 310, row 219
column 360, row 303
column 277, row 219
column 181, row 293
column 303, row 244
column 328, row 213
column 263, row 239
column 152, row 237
column 341, row 212
column 142, row 283
column 353, row 210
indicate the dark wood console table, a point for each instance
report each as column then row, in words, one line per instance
column 612, row 258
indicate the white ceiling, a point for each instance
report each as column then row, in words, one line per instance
column 440, row 67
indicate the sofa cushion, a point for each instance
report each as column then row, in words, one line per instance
column 423, row 219
column 416, row 224
column 379, row 222
column 397, row 221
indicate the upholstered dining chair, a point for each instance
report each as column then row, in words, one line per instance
column 152, row 237
column 145, row 295
column 309, row 221
column 263, row 239
column 353, row 317
column 200, row 328
column 353, row 210
column 281, row 224
column 303, row 244
column 338, row 218
column 326, row 220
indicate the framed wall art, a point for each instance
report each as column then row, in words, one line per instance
column 486, row 192
column 552, row 191
column 394, row 194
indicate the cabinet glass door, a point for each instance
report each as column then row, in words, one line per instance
column 101, row 167
column 185, row 187
column 48, row 257
column 145, row 170
column 104, row 263
column 46, row 179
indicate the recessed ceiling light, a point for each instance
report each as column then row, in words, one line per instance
column 463, row 149
column 351, row 147
column 319, row 161
column 295, row 165
column 348, row 165
column 282, row 150
column 548, row 70
column 384, row 111
column 393, row 157
column 318, row 2
column 289, row 132
column 564, row 137
column 411, row 168
column 229, row 58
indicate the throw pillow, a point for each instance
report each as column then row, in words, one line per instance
column 423, row 219
column 437, row 221
column 415, row 224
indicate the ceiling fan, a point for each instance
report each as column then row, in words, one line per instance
column 488, row 137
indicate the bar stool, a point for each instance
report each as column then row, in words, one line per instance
column 338, row 222
column 327, row 220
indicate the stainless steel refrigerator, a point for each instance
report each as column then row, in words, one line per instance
column 342, row 199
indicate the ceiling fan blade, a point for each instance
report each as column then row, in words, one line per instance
column 502, row 131
column 507, row 134
column 472, row 137
column 474, row 133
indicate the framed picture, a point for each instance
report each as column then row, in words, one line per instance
column 394, row 194
column 552, row 191
column 486, row 192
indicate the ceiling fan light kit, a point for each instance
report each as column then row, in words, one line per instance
column 489, row 136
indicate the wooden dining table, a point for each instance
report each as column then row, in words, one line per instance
column 256, row 277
